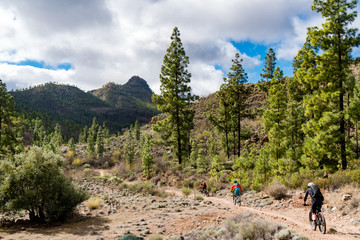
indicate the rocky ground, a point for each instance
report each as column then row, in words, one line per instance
column 122, row 212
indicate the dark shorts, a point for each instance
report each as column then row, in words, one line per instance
column 316, row 205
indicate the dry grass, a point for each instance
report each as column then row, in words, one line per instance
column 276, row 190
column 336, row 198
column 93, row 203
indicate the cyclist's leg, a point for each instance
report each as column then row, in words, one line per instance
column 313, row 210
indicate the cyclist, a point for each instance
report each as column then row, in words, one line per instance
column 316, row 198
column 236, row 188
column 203, row 187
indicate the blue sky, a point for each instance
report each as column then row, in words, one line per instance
column 89, row 43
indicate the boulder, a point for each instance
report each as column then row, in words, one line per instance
column 346, row 197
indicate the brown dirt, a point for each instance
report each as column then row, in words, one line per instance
column 135, row 218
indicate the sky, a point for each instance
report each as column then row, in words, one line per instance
column 88, row 43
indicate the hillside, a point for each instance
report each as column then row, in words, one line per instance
column 136, row 93
column 117, row 105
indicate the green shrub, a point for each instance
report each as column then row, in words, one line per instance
column 130, row 237
column 186, row 191
column 116, row 179
column 86, row 165
column 39, row 185
column 199, row 198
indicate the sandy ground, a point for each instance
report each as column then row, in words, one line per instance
column 173, row 215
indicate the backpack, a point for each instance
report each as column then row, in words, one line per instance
column 316, row 192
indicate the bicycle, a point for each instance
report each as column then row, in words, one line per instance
column 205, row 192
column 237, row 199
column 320, row 220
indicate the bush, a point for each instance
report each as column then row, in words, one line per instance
column 276, row 190
column 93, row 203
column 186, row 191
column 38, row 185
column 199, row 198
column 78, row 162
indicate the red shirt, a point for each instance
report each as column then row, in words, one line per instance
column 236, row 185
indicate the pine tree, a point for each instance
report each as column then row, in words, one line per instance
column 137, row 130
column 100, row 142
column 130, row 147
column 222, row 118
column 194, row 155
column 175, row 98
column 71, row 144
column 354, row 115
column 147, row 156
column 268, row 71
column 274, row 121
column 239, row 94
column 57, row 136
column 8, row 122
column 91, row 136
column 326, row 105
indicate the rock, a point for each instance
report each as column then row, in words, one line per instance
column 346, row 197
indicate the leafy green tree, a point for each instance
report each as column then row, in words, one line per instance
column 147, row 156
column 39, row 132
column 91, row 136
column 8, row 122
column 239, row 93
column 268, row 71
column 194, row 155
column 71, row 144
column 100, row 142
column 57, row 136
column 222, row 118
column 175, row 98
column 137, row 130
column 354, row 115
column 274, row 121
column 130, row 147
column 34, row 181
column 83, row 135
column 335, row 40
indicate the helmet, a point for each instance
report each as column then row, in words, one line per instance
column 235, row 181
column 310, row 184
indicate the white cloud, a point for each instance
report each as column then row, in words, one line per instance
column 112, row 40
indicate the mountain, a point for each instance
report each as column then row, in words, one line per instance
column 117, row 105
column 136, row 93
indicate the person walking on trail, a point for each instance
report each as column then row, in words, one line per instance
column 317, row 198
column 236, row 188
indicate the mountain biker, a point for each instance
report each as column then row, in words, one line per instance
column 203, row 186
column 236, row 188
column 316, row 198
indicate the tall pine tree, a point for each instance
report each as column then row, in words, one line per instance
column 326, row 105
column 268, row 71
column 175, row 98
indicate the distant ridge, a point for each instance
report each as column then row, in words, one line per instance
column 117, row 105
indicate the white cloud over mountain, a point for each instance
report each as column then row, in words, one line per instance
column 113, row 40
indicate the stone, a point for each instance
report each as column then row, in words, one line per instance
column 346, row 197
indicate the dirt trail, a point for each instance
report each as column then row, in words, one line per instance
column 295, row 218
column 143, row 214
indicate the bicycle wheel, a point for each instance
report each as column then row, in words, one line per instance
column 234, row 200
column 312, row 222
column 239, row 200
column 321, row 222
